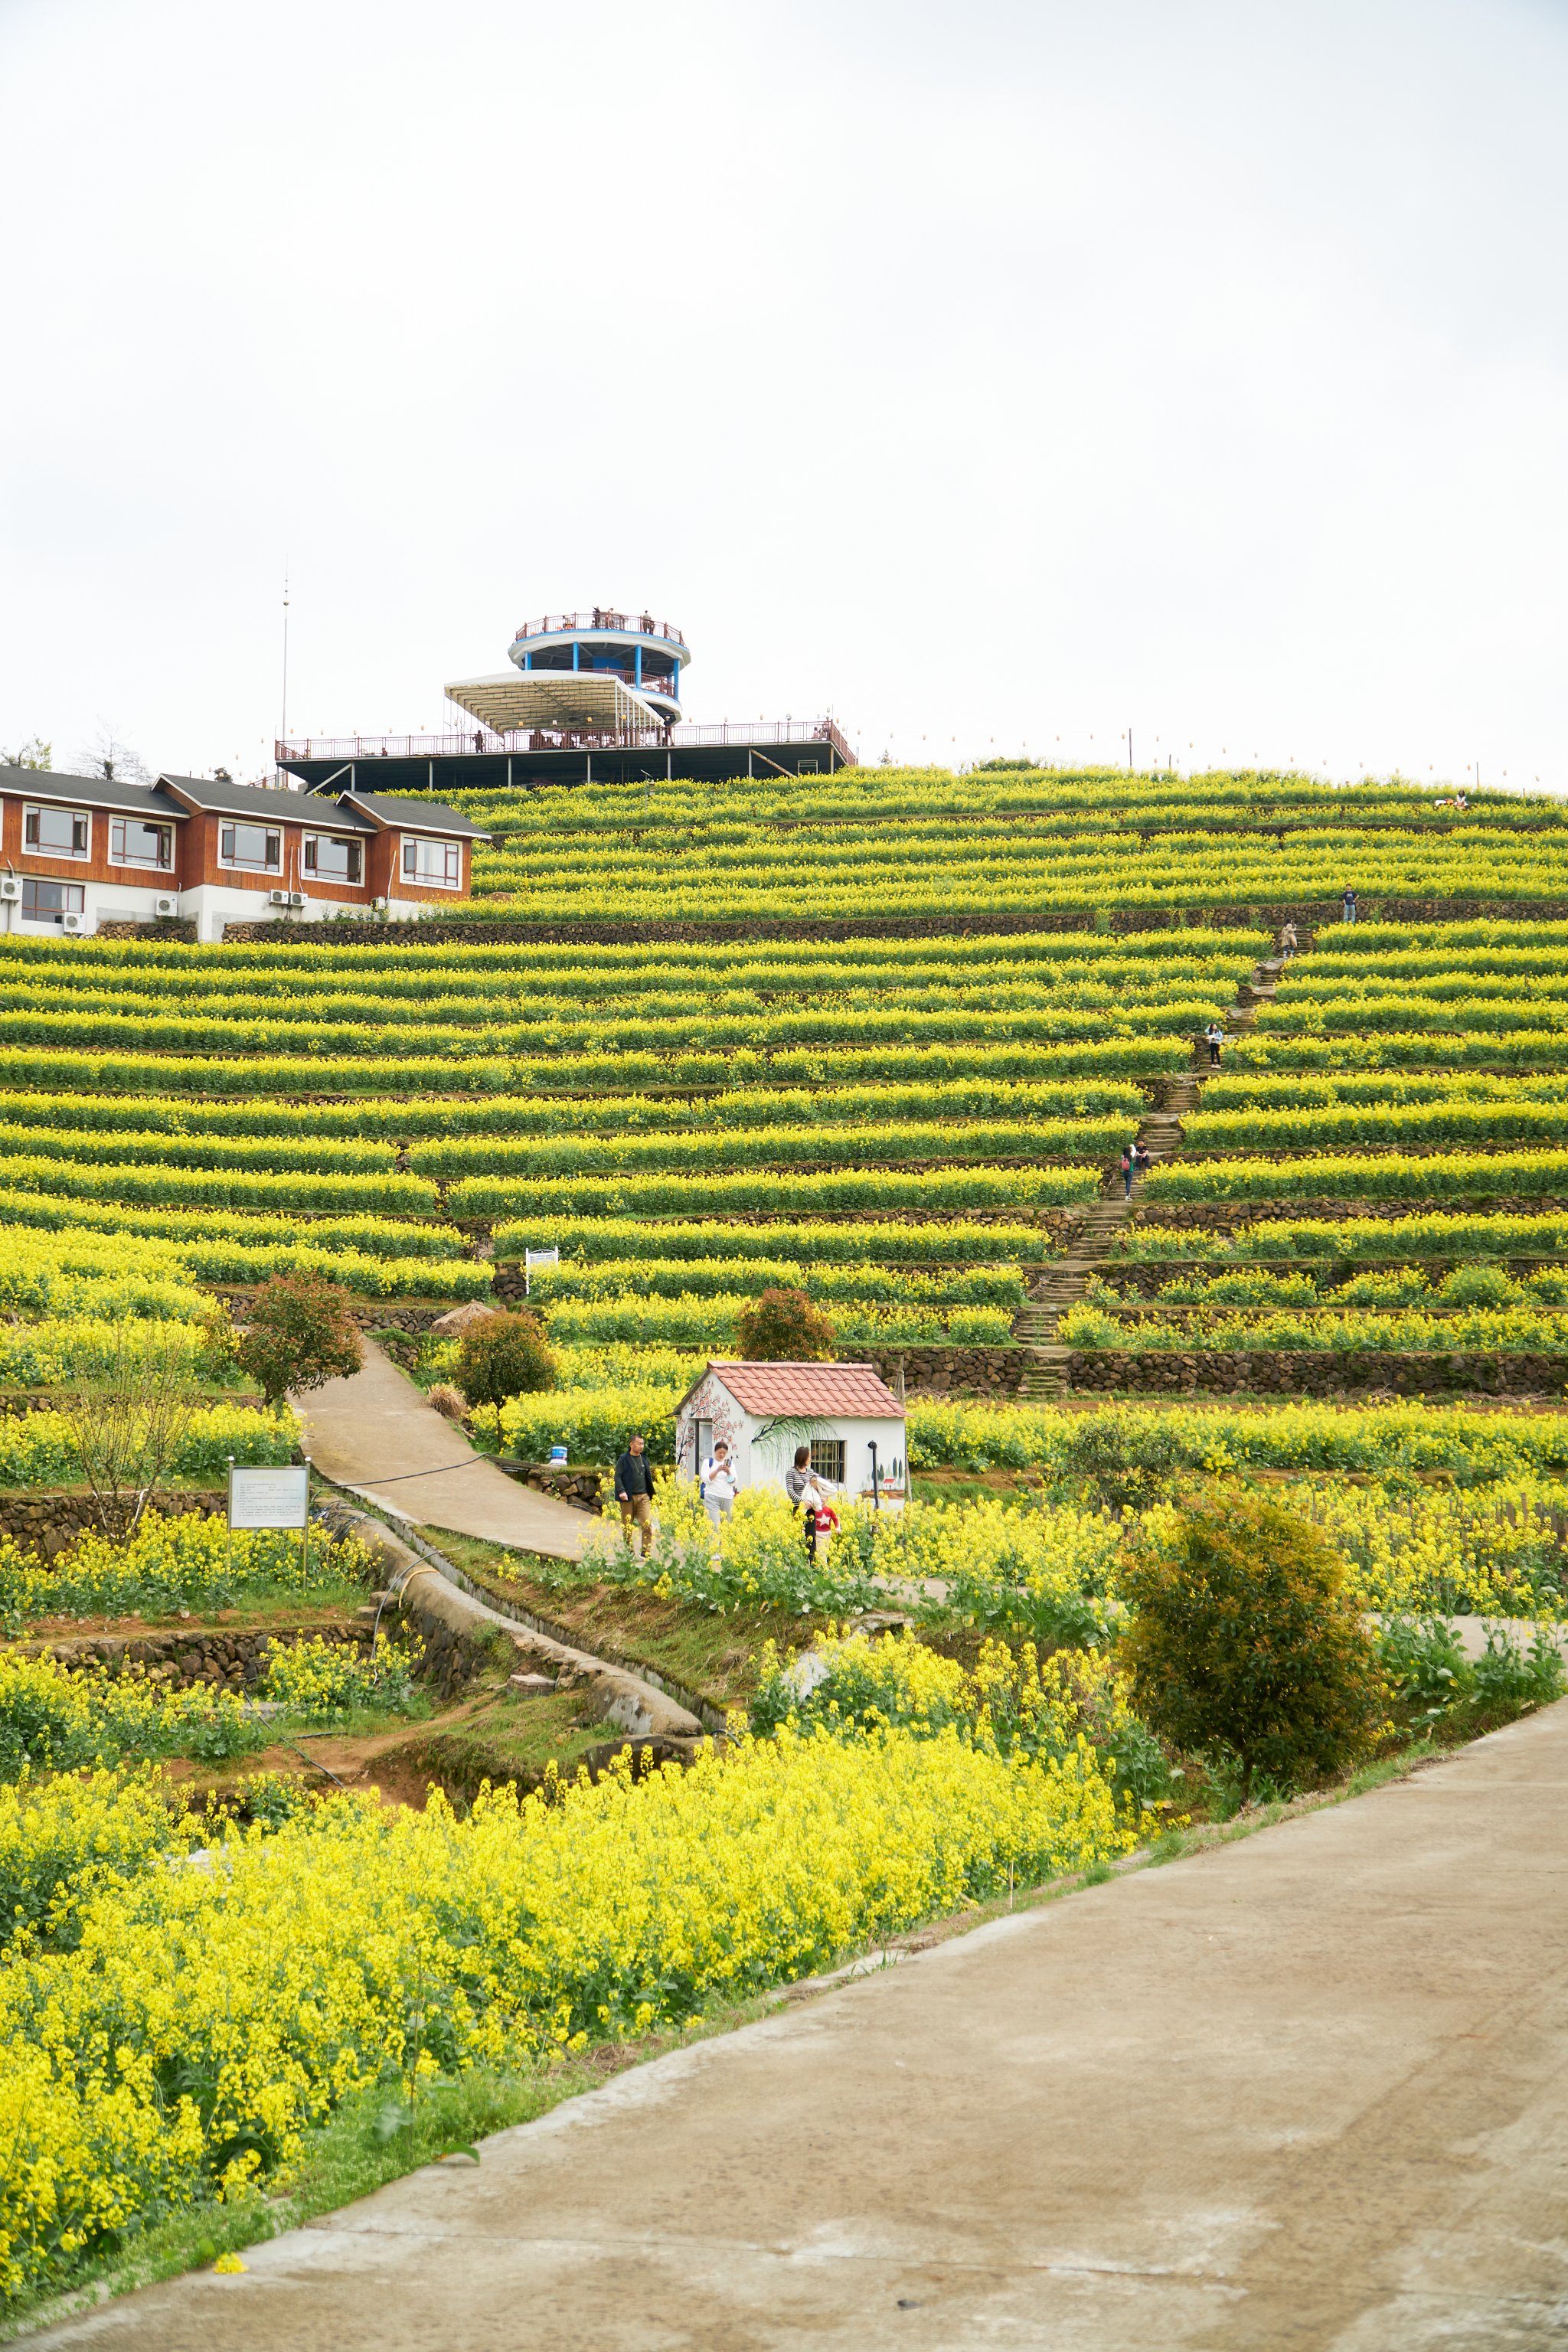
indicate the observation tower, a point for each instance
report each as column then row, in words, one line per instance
column 584, row 678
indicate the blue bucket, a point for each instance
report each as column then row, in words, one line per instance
column 557, row 1454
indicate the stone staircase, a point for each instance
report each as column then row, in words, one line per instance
column 1064, row 1281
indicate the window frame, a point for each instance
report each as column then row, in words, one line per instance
column 414, row 843
column 37, row 882
column 835, row 1468
column 352, row 842
column 34, row 810
column 117, row 824
column 229, row 829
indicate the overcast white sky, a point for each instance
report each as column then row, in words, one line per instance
column 1010, row 373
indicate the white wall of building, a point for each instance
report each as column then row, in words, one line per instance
column 761, row 1460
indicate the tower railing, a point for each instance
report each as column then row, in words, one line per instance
column 641, row 625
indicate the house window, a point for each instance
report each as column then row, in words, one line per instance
column 257, row 848
column 439, row 865
column 331, row 860
column 57, row 832
column 45, row 902
column 828, row 1459
column 131, row 843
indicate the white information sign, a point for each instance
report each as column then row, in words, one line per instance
column 269, row 1499
column 531, row 1258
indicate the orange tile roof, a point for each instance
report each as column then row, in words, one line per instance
column 851, row 1391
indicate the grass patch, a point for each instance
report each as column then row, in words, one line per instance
column 714, row 1657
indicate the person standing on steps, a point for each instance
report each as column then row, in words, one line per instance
column 1214, row 1037
column 1347, row 913
column 634, row 1492
column 1127, row 1171
column 1288, row 942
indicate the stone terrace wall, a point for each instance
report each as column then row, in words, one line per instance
column 49, row 1523
column 1314, row 1372
column 184, row 1655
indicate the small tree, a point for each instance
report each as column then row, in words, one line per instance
column 300, row 1333
column 507, row 1355
column 127, row 1427
column 782, row 1326
column 35, row 754
column 1245, row 1641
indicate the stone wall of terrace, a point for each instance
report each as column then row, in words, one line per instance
column 1313, row 1373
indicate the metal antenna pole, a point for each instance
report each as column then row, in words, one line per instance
column 283, row 722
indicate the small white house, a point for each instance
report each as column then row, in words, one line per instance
column 847, row 1415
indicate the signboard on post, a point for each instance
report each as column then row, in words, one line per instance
column 269, row 1499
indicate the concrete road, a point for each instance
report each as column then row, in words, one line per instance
column 375, row 1434
column 1306, row 2090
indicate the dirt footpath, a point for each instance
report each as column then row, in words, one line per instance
column 1306, row 2090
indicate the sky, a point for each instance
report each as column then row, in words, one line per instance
column 1000, row 378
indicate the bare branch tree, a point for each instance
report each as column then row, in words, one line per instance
column 106, row 756
column 128, row 1426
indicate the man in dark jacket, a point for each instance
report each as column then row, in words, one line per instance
column 634, row 1492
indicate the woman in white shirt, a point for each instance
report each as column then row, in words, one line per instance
column 718, row 1485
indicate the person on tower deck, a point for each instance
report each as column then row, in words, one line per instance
column 634, row 1492
column 1347, row 913
column 1214, row 1037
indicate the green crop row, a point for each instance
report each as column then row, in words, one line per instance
column 187, row 1229
column 399, row 1118
column 602, row 1033
column 1293, row 1090
column 1514, row 1330
column 1465, row 1007
column 210, row 1188
column 1420, row 1049
column 513, row 1161
column 1324, row 1176
column 158, row 1075
column 1320, row 1125
column 709, row 1323
column 861, row 1284
column 1436, row 1233
column 925, row 1192
column 598, row 1241
column 36, row 1449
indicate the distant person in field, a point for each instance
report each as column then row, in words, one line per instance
column 1126, row 1172
column 1348, row 911
column 634, row 1492
column 1214, row 1037
column 1287, row 942
column 718, row 1485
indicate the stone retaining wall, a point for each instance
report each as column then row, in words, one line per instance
column 49, row 1523
column 1313, row 1373
column 586, row 1487
column 182, row 1655
column 936, row 1372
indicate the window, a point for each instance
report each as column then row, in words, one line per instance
column 828, row 1459
column 256, row 847
column 45, row 902
column 332, row 860
column 131, row 843
column 437, row 864
column 57, row 832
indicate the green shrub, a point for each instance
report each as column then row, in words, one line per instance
column 1245, row 1644
column 784, row 1327
column 505, row 1356
column 300, row 1333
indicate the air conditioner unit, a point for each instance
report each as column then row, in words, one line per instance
column 73, row 922
column 11, row 889
column 165, row 906
column 298, row 898
column 278, row 897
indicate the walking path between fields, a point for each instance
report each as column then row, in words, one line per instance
column 375, row 1434
column 1304, row 2090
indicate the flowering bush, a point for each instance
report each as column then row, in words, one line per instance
column 207, row 2017
column 325, row 1681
